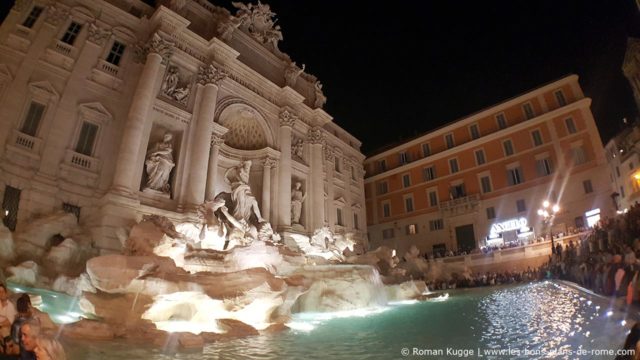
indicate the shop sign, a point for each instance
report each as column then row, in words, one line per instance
column 511, row 224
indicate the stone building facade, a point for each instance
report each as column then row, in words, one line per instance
column 481, row 180
column 113, row 109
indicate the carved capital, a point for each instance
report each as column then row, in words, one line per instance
column 216, row 140
column 56, row 14
column 287, row 118
column 315, row 135
column 98, row 35
column 160, row 46
column 269, row 162
column 211, row 75
column 329, row 155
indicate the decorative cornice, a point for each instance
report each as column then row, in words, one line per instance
column 287, row 118
column 210, row 74
column 216, row 140
column 315, row 135
column 269, row 162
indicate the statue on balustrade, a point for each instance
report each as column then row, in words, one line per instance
column 297, row 198
column 159, row 163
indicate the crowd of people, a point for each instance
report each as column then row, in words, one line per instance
column 22, row 331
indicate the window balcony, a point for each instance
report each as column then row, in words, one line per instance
column 461, row 205
column 25, row 142
column 82, row 161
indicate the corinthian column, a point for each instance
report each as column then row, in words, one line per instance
column 212, row 174
column 266, row 187
column 287, row 119
column 316, row 139
column 208, row 79
column 132, row 137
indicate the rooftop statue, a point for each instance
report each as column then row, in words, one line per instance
column 320, row 98
column 291, row 74
column 257, row 19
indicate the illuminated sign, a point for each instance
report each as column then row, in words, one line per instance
column 511, row 224
column 592, row 212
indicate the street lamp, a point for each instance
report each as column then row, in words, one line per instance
column 548, row 212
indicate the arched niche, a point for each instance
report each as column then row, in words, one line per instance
column 248, row 130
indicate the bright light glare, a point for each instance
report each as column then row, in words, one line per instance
column 540, row 212
column 556, row 208
column 545, row 203
column 300, row 326
column 623, row 322
column 609, row 313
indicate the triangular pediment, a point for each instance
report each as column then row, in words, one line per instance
column 44, row 88
column 5, row 72
column 340, row 200
column 95, row 111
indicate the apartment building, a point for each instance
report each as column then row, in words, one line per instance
column 481, row 180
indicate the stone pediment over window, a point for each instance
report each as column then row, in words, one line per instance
column 247, row 128
column 356, row 206
column 96, row 112
column 43, row 89
column 340, row 201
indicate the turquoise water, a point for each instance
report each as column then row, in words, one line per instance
column 62, row 308
column 539, row 318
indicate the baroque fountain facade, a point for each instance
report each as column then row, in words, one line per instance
column 175, row 172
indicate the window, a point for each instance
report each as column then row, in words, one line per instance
column 71, row 34
column 528, row 111
column 622, row 191
column 617, row 171
column 501, row 120
column 491, row 213
column 433, row 198
column 453, row 165
column 508, row 147
column 571, row 125
column 387, row 233
column 448, row 139
column 485, row 184
column 429, row 173
column 353, row 173
column 426, row 150
column 631, row 165
column 412, row 229
column 457, row 191
column 33, row 17
column 560, row 98
column 87, row 138
column 356, row 223
column 383, row 187
column 403, row 158
column 408, row 204
column 588, row 188
column 73, row 209
column 514, row 176
column 10, row 203
column 32, row 120
column 480, row 159
column 115, row 54
column 579, row 157
column 406, row 180
column 543, row 167
column 382, row 165
column 520, row 205
column 336, row 164
column 474, row 131
column 386, row 210
column 437, row 224
column 339, row 217
column 536, row 137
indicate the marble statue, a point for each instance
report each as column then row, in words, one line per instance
column 258, row 20
column 320, row 98
column 297, row 198
column 159, row 163
column 297, row 148
column 172, row 88
column 291, row 74
column 241, row 196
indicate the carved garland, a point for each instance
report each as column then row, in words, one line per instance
column 270, row 162
column 98, row 35
column 56, row 14
column 156, row 45
column 216, row 140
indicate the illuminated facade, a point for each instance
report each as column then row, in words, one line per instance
column 623, row 156
column 112, row 109
column 449, row 188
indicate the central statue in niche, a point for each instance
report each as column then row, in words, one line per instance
column 241, row 196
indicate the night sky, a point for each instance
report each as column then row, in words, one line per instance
column 392, row 72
